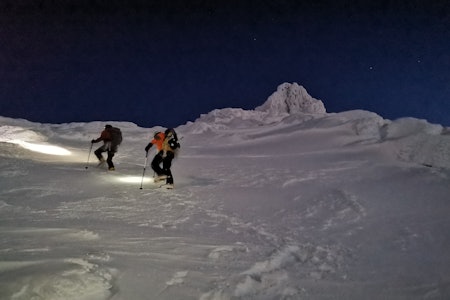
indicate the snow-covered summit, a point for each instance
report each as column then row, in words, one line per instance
column 291, row 98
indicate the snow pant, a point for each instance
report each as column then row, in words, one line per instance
column 156, row 163
column 110, row 152
column 167, row 163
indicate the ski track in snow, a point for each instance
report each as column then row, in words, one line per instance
column 165, row 211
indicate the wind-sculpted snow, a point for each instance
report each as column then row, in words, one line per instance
column 52, row 276
column 290, row 99
column 287, row 205
column 406, row 127
column 226, row 118
column 13, row 133
column 415, row 140
column 418, row 141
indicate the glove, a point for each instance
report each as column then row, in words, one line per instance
column 148, row 147
column 93, row 141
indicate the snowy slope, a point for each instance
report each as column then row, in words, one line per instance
column 287, row 203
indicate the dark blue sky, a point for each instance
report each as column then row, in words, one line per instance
column 165, row 64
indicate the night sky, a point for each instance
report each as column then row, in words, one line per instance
column 165, row 63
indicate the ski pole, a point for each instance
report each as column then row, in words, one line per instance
column 89, row 155
column 143, row 172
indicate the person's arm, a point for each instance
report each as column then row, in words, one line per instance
column 148, row 146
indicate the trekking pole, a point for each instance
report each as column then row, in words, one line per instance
column 143, row 172
column 89, row 155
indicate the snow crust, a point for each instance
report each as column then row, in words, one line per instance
column 282, row 202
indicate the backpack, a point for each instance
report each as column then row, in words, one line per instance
column 172, row 139
column 173, row 144
column 116, row 136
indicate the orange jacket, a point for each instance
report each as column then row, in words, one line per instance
column 158, row 140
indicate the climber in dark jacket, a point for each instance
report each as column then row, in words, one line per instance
column 111, row 141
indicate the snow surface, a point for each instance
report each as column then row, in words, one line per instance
column 289, row 204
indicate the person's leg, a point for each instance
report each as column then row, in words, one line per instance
column 167, row 163
column 109, row 160
column 156, row 162
column 99, row 152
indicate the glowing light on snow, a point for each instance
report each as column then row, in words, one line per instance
column 134, row 179
column 46, row 149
